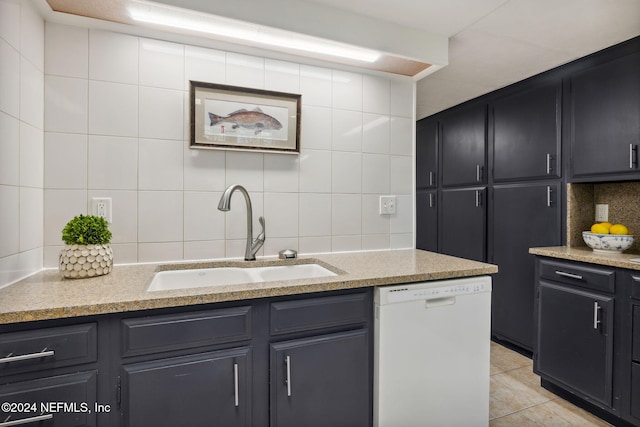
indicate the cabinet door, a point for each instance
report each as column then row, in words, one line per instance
column 462, row 225
column 463, row 147
column 426, row 154
column 43, row 397
column 322, row 381
column 524, row 216
column 427, row 220
column 605, row 118
column 208, row 389
column 575, row 340
column 526, row 129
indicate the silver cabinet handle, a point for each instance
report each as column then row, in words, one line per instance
column 287, row 361
column 27, row 420
column 478, row 173
column 549, row 196
column 549, row 163
column 43, row 353
column 430, row 200
column 235, row 384
column 569, row 275
column 632, row 149
column 596, row 320
column 478, row 199
column 430, row 178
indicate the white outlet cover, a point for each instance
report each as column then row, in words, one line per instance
column 101, row 206
column 387, row 205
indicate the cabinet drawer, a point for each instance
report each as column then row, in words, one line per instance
column 600, row 279
column 635, row 390
column 319, row 313
column 47, row 348
column 61, row 401
column 155, row 334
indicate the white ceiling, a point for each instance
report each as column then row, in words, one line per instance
column 492, row 43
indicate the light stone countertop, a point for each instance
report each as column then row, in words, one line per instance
column 45, row 295
column 584, row 254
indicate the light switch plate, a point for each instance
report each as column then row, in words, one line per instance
column 387, row 205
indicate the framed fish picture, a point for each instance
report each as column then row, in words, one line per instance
column 236, row 118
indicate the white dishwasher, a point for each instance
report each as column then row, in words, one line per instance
column 431, row 357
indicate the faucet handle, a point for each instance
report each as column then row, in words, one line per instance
column 261, row 236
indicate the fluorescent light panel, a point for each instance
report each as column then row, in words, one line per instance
column 183, row 19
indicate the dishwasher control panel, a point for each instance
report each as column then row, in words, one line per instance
column 432, row 290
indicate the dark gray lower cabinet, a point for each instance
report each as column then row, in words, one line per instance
column 463, row 223
column 575, row 340
column 58, row 401
column 321, row 381
column 524, row 216
column 427, row 220
column 208, row 389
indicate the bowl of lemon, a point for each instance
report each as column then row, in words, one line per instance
column 605, row 237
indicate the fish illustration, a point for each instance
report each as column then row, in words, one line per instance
column 254, row 119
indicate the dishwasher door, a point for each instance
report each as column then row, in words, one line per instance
column 431, row 357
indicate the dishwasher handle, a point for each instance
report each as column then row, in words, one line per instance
column 439, row 302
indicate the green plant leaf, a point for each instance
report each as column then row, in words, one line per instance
column 86, row 230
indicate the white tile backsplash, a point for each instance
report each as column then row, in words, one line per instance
column 67, row 52
column 9, row 79
column 113, row 57
column 9, row 150
column 113, row 162
column 62, row 150
column 161, row 114
column 161, row 64
column 66, row 101
column 116, row 106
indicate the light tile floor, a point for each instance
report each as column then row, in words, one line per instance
column 517, row 399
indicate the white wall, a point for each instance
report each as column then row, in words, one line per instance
column 21, row 139
column 116, row 125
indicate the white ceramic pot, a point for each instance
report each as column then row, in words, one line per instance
column 78, row 261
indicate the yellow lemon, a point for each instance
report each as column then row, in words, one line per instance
column 599, row 229
column 607, row 224
column 618, row 229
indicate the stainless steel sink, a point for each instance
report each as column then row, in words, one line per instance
column 222, row 276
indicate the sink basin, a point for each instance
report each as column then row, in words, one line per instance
column 219, row 276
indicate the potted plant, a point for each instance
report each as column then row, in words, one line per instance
column 87, row 252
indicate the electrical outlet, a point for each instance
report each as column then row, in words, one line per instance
column 602, row 213
column 101, row 206
column 387, row 205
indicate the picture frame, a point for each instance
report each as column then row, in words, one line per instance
column 236, row 118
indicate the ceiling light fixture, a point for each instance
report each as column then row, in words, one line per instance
column 244, row 32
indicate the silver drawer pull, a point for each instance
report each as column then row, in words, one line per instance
column 549, row 191
column 235, row 384
column 569, row 275
column 287, row 361
column 43, row 353
column 596, row 320
column 430, row 178
column 632, row 158
column 26, row 420
column 478, row 173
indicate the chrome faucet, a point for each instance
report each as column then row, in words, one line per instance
column 253, row 246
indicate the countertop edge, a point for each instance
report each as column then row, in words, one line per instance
column 620, row 260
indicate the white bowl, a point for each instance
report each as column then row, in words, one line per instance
column 607, row 243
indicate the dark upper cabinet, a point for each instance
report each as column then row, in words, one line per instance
column 426, row 154
column 463, row 223
column 427, row 220
column 526, row 134
column 605, row 118
column 321, row 381
column 464, row 147
column 524, row 216
column 575, row 340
